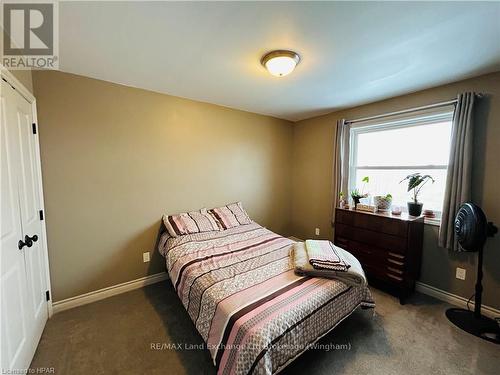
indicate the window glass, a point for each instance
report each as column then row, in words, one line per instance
column 415, row 145
column 383, row 182
column 387, row 154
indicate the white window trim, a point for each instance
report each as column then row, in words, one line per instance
column 415, row 120
column 433, row 221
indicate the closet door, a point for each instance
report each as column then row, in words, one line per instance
column 29, row 201
column 24, row 309
column 15, row 327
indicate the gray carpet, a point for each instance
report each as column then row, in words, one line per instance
column 115, row 336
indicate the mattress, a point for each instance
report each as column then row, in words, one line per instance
column 254, row 314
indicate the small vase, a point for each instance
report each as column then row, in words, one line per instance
column 342, row 203
column 356, row 201
column 415, row 209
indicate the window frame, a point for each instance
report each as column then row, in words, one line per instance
column 406, row 122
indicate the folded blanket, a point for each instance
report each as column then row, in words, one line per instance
column 323, row 255
column 353, row 276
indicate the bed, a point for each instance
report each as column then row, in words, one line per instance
column 254, row 314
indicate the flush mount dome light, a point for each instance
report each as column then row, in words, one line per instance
column 280, row 63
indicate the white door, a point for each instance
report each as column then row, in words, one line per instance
column 24, row 308
column 29, row 201
column 13, row 273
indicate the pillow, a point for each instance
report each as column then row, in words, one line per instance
column 190, row 222
column 240, row 213
column 231, row 216
column 205, row 221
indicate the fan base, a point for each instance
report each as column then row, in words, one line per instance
column 482, row 327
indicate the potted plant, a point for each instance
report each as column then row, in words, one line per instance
column 342, row 202
column 415, row 182
column 383, row 202
column 356, row 195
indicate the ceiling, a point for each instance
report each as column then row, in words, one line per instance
column 352, row 52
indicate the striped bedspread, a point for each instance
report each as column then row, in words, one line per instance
column 254, row 313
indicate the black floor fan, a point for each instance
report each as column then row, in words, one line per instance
column 472, row 229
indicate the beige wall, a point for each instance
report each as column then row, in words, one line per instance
column 24, row 76
column 312, row 181
column 114, row 159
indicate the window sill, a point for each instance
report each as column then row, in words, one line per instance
column 435, row 222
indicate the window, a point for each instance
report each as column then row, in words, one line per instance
column 388, row 152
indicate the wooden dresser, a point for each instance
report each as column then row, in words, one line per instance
column 388, row 247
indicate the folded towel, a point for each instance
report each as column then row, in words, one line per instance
column 353, row 276
column 323, row 255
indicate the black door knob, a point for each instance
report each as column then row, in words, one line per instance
column 33, row 238
column 22, row 244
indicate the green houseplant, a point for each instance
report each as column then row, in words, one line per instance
column 356, row 195
column 415, row 182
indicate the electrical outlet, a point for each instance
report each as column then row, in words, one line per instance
column 145, row 257
column 460, row 274
column 316, row 231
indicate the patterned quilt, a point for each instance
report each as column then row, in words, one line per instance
column 254, row 313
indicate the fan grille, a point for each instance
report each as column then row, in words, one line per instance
column 470, row 227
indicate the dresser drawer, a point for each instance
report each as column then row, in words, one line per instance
column 367, row 251
column 344, row 217
column 376, row 258
column 381, row 224
column 361, row 253
column 377, row 223
column 382, row 273
column 369, row 237
column 377, row 263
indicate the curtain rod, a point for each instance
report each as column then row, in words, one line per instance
column 435, row 105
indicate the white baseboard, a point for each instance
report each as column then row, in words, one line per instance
column 454, row 299
column 97, row 295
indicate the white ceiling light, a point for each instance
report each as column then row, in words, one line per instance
column 280, row 63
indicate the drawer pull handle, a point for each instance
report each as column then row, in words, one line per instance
column 395, row 262
column 399, row 256
column 395, row 270
column 395, row 277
